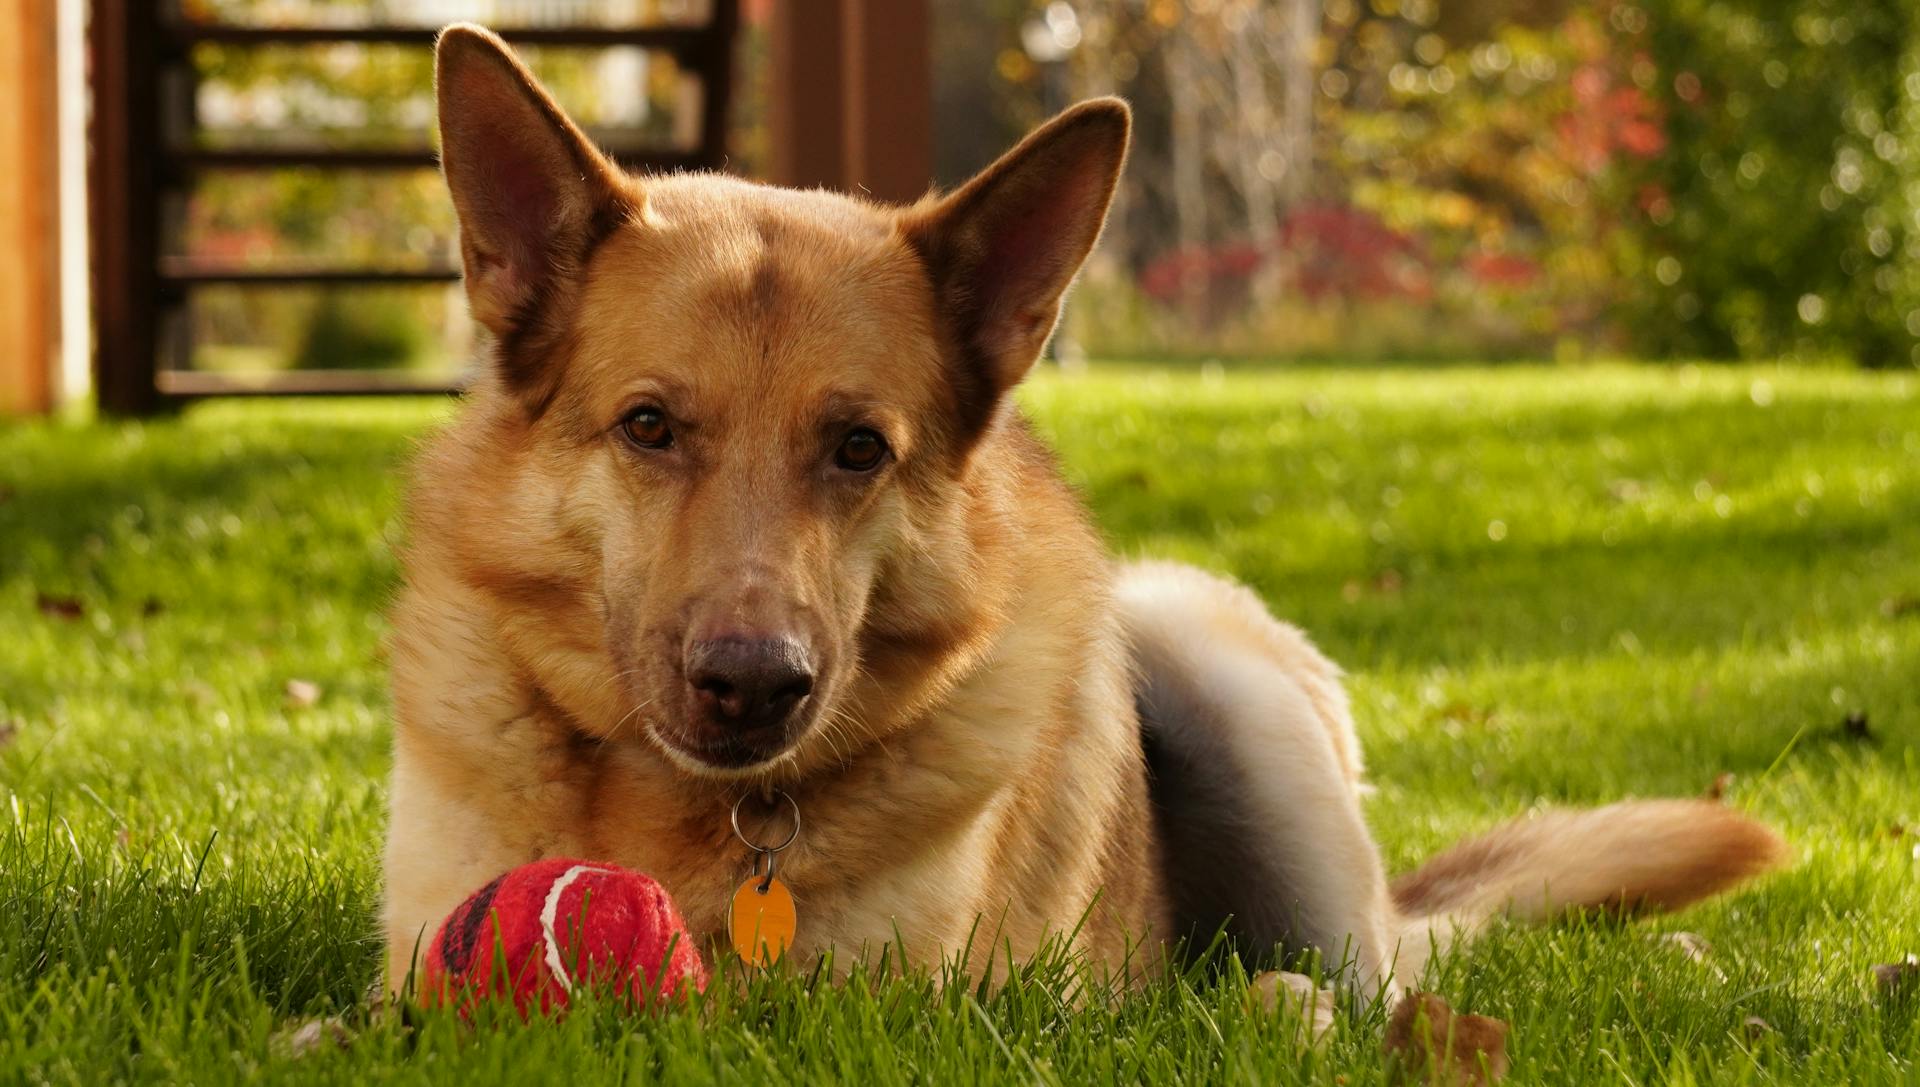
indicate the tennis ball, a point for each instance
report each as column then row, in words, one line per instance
column 541, row 932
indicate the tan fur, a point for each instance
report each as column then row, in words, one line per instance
column 1279, row 700
column 962, row 769
column 1650, row 855
column 969, row 765
column 1162, row 598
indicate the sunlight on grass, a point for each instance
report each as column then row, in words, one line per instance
column 1549, row 585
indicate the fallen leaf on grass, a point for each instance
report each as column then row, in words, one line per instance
column 1717, row 790
column 302, row 693
column 59, row 607
column 1755, row 1028
column 1387, row 582
column 1893, row 607
column 1626, row 490
column 1314, row 1004
column 1695, row 948
column 1461, row 714
column 1856, row 727
column 1689, row 944
column 1426, row 1038
column 1897, row 977
column 298, row 1041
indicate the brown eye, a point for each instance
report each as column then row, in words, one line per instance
column 647, row 428
column 862, row 451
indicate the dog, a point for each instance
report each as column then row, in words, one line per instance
column 740, row 509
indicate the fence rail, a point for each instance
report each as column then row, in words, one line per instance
column 141, row 298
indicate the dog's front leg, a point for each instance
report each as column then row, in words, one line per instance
column 449, row 832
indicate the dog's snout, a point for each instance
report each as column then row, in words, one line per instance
column 749, row 683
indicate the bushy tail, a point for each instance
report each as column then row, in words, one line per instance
column 1638, row 856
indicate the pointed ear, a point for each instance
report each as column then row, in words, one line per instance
column 532, row 193
column 1003, row 249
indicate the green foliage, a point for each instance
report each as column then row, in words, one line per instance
column 372, row 332
column 1739, row 179
column 1794, row 182
column 1550, row 585
column 1703, row 178
column 1507, row 159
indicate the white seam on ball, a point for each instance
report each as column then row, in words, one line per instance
column 548, row 915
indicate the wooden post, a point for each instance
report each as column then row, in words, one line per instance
column 124, row 224
column 888, row 97
column 850, row 99
column 29, row 209
column 716, row 89
column 803, row 95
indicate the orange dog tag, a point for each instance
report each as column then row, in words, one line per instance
column 762, row 922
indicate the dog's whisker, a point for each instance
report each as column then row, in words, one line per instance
column 630, row 715
column 615, row 677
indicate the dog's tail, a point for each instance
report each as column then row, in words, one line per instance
column 1623, row 859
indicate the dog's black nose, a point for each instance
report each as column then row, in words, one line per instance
column 749, row 683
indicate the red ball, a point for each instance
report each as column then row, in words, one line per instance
column 544, row 930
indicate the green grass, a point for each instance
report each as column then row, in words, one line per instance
column 1550, row 585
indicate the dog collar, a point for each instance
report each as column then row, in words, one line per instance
column 761, row 922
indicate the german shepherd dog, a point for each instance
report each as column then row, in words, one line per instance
column 742, row 506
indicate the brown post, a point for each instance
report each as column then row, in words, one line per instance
column 29, row 188
column 803, row 95
column 851, row 98
column 716, row 95
column 122, row 175
column 888, row 91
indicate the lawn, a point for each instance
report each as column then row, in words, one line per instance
column 1550, row 585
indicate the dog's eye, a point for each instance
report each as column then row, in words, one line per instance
column 647, row 428
column 862, row 451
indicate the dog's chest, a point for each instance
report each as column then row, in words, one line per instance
column 872, row 863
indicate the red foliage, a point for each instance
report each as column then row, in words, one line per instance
column 1501, row 269
column 1328, row 251
column 1349, row 252
column 1609, row 116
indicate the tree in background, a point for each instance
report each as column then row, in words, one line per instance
column 1407, row 178
column 1785, row 212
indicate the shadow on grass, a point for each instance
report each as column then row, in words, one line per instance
column 197, row 513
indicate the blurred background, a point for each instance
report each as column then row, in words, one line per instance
column 216, row 197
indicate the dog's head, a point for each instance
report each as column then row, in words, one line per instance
column 742, row 414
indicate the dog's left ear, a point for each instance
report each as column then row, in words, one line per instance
column 1003, row 249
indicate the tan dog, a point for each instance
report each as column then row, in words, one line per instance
column 742, row 502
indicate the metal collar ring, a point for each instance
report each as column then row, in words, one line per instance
column 755, row 846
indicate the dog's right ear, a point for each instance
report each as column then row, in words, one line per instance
column 532, row 192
